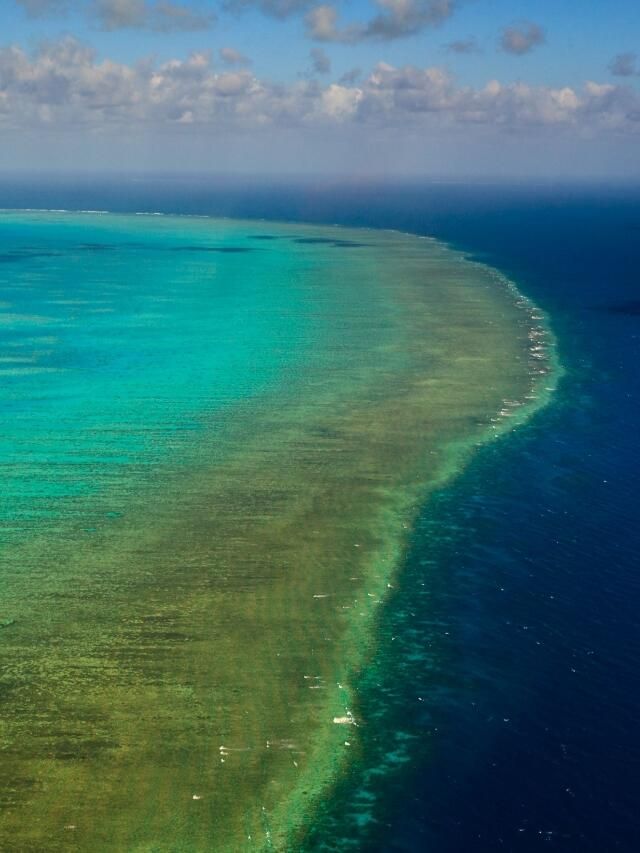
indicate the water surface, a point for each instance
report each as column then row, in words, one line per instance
column 215, row 446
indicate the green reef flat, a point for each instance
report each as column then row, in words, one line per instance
column 216, row 435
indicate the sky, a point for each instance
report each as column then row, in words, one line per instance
column 477, row 88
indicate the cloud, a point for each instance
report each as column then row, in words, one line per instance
column 396, row 19
column 322, row 24
column 522, row 38
column 119, row 14
column 340, row 102
column 64, row 86
column 159, row 16
column 464, row 46
column 406, row 17
column 42, row 8
column 350, row 77
column 233, row 57
column 320, row 62
column 625, row 65
column 272, row 8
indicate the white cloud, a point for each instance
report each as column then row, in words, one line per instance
column 396, row 19
column 391, row 19
column 340, row 102
column 322, row 24
column 64, row 85
column 399, row 18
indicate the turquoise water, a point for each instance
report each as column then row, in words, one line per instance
column 121, row 338
column 216, row 435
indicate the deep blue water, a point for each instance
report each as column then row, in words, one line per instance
column 508, row 700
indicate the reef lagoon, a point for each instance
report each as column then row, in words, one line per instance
column 216, row 437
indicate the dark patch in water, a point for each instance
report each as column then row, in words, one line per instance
column 227, row 250
column 264, row 237
column 338, row 244
column 630, row 308
column 312, row 240
column 96, row 247
column 24, row 255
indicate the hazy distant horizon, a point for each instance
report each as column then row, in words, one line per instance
column 346, row 179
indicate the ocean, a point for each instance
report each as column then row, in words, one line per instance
column 501, row 695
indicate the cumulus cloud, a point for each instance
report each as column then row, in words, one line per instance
column 322, row 24
column 392, row 19
column 41, row 8
column 522, row 38
column 64, row 85
column 396, row 19
column 230, row 56
column 159, row 16
column 625, row 65
column 340, row 102
column 406, row 17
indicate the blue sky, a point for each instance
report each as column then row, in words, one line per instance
column 520, row 86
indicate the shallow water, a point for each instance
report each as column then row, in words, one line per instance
column 215, row 445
